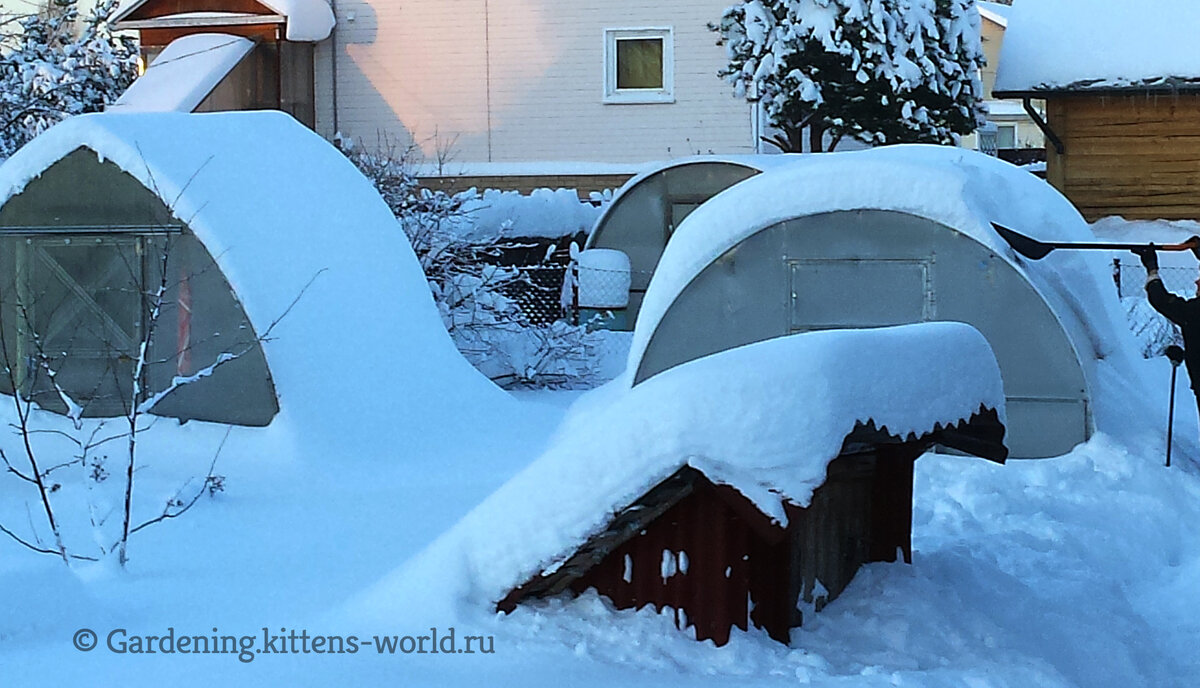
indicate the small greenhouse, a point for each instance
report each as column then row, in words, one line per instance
column 647, row 209
column 884, row 237
column 226, row 267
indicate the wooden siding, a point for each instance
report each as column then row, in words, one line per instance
column 523, row 80
column 707, row 553
column 1137, row 156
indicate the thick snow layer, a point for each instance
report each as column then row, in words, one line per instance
column 542, row 213
column 1053, row 44
column 533, row 168
column 184, row 73
column 961, row 189
column 363, row 349
column 307, row 20
column 765, row 419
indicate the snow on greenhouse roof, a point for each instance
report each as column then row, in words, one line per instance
column 183, row 75
column 753, row 162
column 765, row 419
column 1098, row 44
column 307, row 20
column 363, row 349
column 961, row 189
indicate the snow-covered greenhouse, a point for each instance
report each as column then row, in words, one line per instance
column 884, row 237
column 646, row 210
column 261, row 271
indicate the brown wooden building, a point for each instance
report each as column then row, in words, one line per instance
column 1122, row 100
column 710, row 554
column 226, row 55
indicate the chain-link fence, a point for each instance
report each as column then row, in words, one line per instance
column 537, row 291
column 1130, row 278
column 1153, row 331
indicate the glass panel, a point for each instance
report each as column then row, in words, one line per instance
column 82, row 310
column 639, row 63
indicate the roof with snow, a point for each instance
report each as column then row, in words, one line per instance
column 184, row 73
column 994, row 11
column 958, row 188
column 299, row 232
column 758, row 163
column 1090, row 45
column 305, row 20
column 765, row 419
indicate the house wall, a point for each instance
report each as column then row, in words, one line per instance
column 1003, row 112
column 1137, row 156
column 518, row 80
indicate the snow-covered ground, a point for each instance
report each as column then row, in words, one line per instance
column 1077, row 571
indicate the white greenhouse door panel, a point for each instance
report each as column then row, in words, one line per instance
column 830, row 294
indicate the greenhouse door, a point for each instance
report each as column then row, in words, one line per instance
column 83, row 295
column 847, row 293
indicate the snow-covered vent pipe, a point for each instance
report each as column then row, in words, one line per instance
column 604, row 278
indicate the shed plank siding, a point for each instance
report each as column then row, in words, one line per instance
column 861, row 513
column 1136, row 156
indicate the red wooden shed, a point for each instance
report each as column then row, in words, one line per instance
column 710, row 554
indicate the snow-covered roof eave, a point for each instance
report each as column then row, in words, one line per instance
column 184, row 73
column 992, row 16
column 307, row 21
column 1166, row 84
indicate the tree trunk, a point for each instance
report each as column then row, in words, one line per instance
column 816, row 138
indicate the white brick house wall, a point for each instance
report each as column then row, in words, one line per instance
column 523, row 80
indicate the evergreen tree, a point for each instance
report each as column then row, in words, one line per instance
column 879, row 71
column 57, row 65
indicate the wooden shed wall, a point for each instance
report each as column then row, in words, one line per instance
column 719, row 563
column 1137, row 156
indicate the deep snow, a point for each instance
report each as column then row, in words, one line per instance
column 1076, row 571
column 1098, row 44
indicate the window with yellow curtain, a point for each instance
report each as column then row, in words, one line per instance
column 638, row 66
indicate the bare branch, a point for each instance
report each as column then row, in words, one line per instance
column 42, row 550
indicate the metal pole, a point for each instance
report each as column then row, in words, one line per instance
column 1175, row 355
column 1171, row 415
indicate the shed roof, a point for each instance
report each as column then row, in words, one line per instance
column 184, row 73
column 362, row 347
column 306, row 20
column 994, row 11
column 961, row 189
column 765, row 419
column 1099, row 45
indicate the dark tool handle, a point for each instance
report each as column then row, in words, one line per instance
column 1036, row 250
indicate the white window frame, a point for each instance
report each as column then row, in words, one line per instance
column 614, row 95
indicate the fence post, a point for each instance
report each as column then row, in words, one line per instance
column 574, row 292
column 1117, row 275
